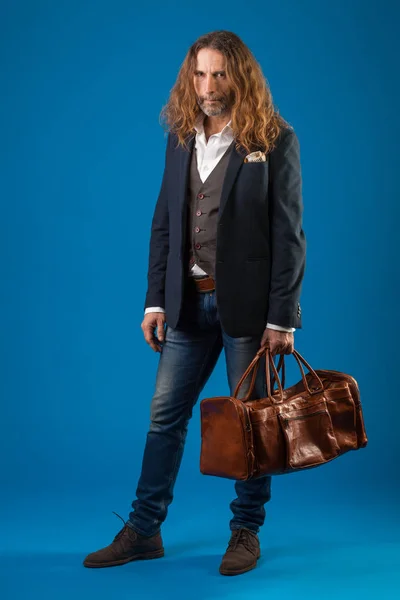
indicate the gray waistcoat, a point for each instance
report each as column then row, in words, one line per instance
column 203, row 205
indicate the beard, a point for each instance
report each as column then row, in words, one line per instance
column 214, row 109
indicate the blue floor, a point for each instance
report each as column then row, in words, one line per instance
column 311, row 548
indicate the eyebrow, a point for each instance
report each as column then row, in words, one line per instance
column 213, row 73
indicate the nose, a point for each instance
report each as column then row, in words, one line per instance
column 210, row 84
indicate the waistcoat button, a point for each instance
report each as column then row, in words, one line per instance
column 198, row 213
column 201, row 196
column 198, row 246
column 197, row 229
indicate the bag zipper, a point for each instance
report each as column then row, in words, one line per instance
column 248, row 422
column 287, row 419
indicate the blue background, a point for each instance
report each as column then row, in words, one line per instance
column 82, row 154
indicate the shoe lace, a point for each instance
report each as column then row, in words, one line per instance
column 244, row 537
column 119, row 534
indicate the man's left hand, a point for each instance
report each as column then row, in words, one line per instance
column 280, row 342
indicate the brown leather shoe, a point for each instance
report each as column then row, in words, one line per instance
column 126, row 546
column 242, row 553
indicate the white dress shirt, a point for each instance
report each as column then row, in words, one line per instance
column 209, row 153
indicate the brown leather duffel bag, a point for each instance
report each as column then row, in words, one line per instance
column 304, row 426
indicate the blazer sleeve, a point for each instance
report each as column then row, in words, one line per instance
column 159, row 243
column 288, row 243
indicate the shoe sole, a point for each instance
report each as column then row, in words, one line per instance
column 124, row 561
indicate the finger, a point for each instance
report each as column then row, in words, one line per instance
column 289, row 348
column 160, row 331
column 148, row 333
column 273, row 349
column 154, row 345
column 279, row 350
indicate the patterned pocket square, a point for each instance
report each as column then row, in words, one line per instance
column 257, row 156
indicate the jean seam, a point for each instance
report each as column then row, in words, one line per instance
column 196, row 387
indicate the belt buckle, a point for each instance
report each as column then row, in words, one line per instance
column 202, row 290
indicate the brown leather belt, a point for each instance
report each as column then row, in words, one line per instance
column 206, row 284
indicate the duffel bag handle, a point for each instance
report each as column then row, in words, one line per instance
column 312, row 390
column 299, row 360
column 254, row 366
column 281, row 364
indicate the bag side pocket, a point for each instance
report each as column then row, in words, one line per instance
column 309, row 437
column 343, row 415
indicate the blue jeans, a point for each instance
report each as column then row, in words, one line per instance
column 190, row 353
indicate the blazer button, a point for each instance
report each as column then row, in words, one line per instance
column 201, row 196
column 197, row 229
column 197, row 246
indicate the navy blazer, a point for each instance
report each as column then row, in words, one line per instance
column 261, row 246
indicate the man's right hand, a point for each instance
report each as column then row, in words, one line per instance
column 154, row 321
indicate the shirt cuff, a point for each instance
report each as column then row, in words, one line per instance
column 151, row 309
column 279, row 328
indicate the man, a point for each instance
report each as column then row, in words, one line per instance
column 227, row 259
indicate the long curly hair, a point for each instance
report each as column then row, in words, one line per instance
column 256, row 123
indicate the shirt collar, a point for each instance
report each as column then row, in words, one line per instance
column 199, row 126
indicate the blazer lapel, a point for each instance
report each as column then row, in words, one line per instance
column 235, row 163
column 184, row 162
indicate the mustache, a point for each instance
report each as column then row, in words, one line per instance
column 204, row 99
